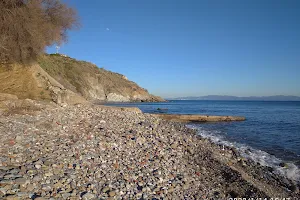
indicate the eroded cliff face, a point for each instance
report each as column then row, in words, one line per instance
column 32, row 82
column 93, row 83
column 66, row 80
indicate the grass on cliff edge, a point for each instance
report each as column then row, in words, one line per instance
column 75, row 75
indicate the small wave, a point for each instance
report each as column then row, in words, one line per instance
column 289, row 170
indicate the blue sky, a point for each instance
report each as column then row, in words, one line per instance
column 192, row 47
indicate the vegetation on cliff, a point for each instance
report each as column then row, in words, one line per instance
column 91, row 82
column 65, row 80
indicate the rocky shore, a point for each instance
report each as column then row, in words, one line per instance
column 97, row 152
column 199, row 118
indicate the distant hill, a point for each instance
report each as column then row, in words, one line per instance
column 235, row 98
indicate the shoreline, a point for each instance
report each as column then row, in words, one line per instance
column 112, row 153
column 286, row 169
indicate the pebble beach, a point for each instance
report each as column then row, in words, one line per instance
column 99, row 152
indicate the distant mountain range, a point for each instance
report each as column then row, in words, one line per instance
column 235, row 98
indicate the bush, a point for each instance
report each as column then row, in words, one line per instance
column 28, row 26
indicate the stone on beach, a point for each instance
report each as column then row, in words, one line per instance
column 98, row 152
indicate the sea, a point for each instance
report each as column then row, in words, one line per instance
column 270, row 135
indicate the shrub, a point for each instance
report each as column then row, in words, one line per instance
column 28, row 26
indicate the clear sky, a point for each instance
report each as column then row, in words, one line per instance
column 192, row 47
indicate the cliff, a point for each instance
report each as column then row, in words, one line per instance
column 65, row 80
column 93, row 83
column 32, row 82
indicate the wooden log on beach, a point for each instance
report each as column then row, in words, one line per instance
column 199, row 118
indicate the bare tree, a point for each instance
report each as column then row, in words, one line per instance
column 28, row 26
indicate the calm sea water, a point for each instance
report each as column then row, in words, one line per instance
column 270, row 134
